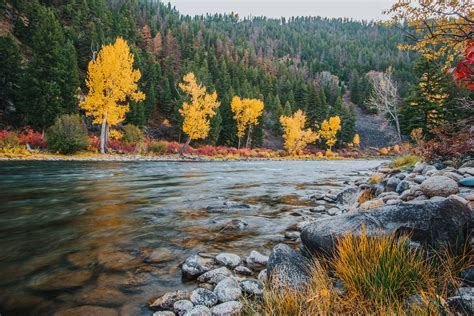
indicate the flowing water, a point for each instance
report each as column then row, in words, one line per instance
column 115, row 233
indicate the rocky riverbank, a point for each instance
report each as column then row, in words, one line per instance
column 434, row 204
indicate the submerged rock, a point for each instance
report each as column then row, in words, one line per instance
column 101, row 295
column 434, row 223
column 87, row 310
column 196, row 265
column 118, row 260
column 232, row 308
column 286, row 267
column 60, row 281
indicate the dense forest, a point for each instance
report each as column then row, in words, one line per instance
column 307, row 63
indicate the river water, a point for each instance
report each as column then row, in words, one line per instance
column 114, row 233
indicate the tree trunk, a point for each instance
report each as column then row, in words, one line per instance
column 397, row 125
column 238, row 146
column 248, row 137
column 103, row 134
column 185, row 146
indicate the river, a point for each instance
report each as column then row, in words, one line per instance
column 114, row 233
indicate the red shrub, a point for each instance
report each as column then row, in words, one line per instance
column 34, row 139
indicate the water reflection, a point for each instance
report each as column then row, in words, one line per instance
column 75, row 233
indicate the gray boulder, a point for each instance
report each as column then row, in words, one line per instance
column 252, row 287
column 196, row 265
column 182, row 306
column 402, row 186
column 439, row 186
column 215, row 276
column 430, row 223
column 348, row 196
column 392, row 184
column 228, row 259
column 256, row 260
column 232, row 308
column 287, row 267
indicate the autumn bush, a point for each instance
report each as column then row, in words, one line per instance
column 159, row 148
column 35, row 139
column 68, row 134
column 10, row 144
column 131, row 134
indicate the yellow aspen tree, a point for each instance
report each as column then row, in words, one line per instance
column 246, row 113
column 112, row 81
column 197, row 113
column 295, row 135
column 329, row 129
column 356, row 140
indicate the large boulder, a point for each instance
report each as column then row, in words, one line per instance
column 286, row 267
column 430, row 223
column 348, row 196
column 439, row 186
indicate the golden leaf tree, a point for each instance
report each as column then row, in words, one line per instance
column 356, row 140
column 441, row 29
column 329, row 129
column 246, row 113
column 295, row 135
column 112, row 81
column 198, row 111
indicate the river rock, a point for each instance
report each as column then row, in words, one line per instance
column 87, row 310
column 292, row 235
column 252, row 287
column 466, row 171
column 164, row 313
column 419, row 179
column 199, row 310
column 468, row 182
column 348, row 196
column 167, row 300
column 101, row 295
column 318, row 209
column 457, row 197
column 393, row 202
column 386, row 196
column 215, row 276
column 196, row 265
column 334, row 211
column 256, row 260
column 182, row 306
column 434, row 223
column 118, row 260
column 204, row 297
column 234, row 225
column 243, row 270
column 419, row 166
column 463, row 301
column 230, row 260
column 287, row 267
column 439, row 186
column 232, row 308
column 402, row 186
column 392, row 184
column 227, row 290
column 453, row 175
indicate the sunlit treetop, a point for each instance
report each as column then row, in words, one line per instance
column 295, row 135
column 246, row 113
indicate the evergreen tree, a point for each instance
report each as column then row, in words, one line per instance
column 10, row 79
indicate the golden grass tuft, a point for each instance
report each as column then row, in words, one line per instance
column 405, row 161
column 380, row 275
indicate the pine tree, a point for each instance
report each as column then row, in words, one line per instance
column 10, row 79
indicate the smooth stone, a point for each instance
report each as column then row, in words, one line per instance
column 393, row 202
column 453, row 175
column 118, row 260
column 286, row 267
column 437, row 199
column 101, row 295
column 386, row 196
column 232, row 308
column 439, row 165
column 348, row 196
column 292, row 235
column 199, row 310
column 230, row 260
column 428, row 169
column 318, row 209
column 263, row 276
column 402, row 186
column 419, row 179
column 164, row 313
column 215, row 276
column 439, row 186
column 167, row 300
column 204, row 297
column 243, row 270
column 392, row 184
column 468, row 182
column 333, row 211
column 419, row 166
column 457, row 197
column 437, row 224
column 252, row 287
column 87, row 310
column 182, row 306
column 464, row 171
column 470, row 197
column 256, row 260
column 227, row 290
column 196, row 265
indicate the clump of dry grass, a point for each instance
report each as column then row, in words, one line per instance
column 405, row 161
column 380, row 274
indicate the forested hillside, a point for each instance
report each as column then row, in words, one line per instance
column 291, row 64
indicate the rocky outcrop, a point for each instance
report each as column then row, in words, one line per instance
column 286, row 267
column 432, row 223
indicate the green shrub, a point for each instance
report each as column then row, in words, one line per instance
column 158, row 148
column 68, row 134
column 131, row 134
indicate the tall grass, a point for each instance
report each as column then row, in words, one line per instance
column 405, row 161
column 380, row 274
